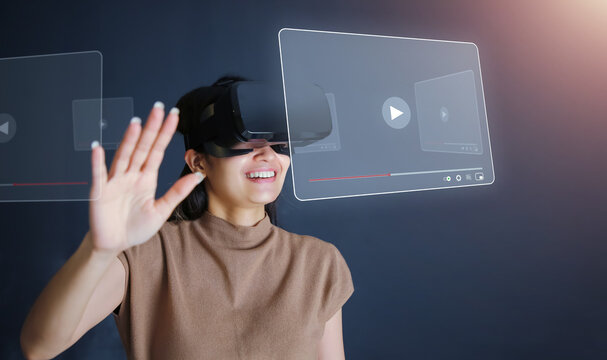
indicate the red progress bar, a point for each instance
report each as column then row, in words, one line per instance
column 53, row 183
column 349, row 177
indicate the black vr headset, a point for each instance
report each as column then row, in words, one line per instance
column 248, row 114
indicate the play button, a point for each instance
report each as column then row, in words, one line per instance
column 444, row 114
column 396, row 112
column 8, row 127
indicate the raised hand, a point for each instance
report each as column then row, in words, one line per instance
column 126, row 213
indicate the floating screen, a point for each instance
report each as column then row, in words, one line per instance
column 407, row 114
column 45, row 127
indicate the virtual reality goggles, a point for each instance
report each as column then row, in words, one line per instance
column 243, row 115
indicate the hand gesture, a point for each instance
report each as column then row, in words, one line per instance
column 126, row 213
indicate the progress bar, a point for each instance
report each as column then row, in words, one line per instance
column 47, row 183
column 395, row 174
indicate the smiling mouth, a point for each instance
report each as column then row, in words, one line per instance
column 261, row 176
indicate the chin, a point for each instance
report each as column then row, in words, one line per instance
column 264, row 198
column 266, row 195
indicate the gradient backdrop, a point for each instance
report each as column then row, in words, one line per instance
column 515, row 270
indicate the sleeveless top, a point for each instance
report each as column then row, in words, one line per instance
column 209, row 289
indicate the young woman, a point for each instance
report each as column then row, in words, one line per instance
column 219, row 280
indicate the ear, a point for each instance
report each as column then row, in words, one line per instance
column 195, row 161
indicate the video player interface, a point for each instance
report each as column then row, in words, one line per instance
column 47, row 123
column 407, row 114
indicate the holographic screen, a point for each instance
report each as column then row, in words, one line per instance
column 406, row 114
column 51, row 109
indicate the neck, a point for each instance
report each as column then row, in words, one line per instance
column 237, row 215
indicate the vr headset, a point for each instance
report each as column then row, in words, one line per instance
column 243, row 115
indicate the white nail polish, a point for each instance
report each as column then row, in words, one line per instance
column 136, row 120
column 159, row 104
column 94, row 144
column 174, row 111
column 200, row 176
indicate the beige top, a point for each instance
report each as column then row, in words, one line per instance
column 208, row 289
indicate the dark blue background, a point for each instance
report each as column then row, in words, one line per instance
column 515, row 270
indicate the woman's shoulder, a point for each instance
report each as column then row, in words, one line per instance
column 323, row 262
column 307, row 244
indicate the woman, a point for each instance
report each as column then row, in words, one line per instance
column 218, row 281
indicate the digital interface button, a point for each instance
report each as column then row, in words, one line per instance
column 8, row 128
column 444, row 114
column 396, row 112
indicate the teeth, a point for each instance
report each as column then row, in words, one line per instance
column 261, row 174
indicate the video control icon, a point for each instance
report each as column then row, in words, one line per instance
column 8, row 127
column 444, row 114
column 396, row 112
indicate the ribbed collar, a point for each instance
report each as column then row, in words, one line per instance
column 224, row 233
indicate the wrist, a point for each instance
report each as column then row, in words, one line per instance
column 89, row 250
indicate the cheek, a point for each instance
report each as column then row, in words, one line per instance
column 229, row 175
column 285, row 160
column 236, row 177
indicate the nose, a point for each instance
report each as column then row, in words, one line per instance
column 264, row 153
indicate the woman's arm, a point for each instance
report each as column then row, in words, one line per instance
column 125, row 214
column 63, row 312
column 332, row 345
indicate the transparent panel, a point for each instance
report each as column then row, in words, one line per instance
column 406, row 114
column 44, row 136
column 447, row 113
column 116, row 115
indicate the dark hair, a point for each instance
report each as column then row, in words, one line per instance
column 190, row 108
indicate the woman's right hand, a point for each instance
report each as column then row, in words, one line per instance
column 126, row 212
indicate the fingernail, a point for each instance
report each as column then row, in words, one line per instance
column 200, row 176
column 174, row 111
column 136, row 120
column 94, row 144
column 159, row 104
